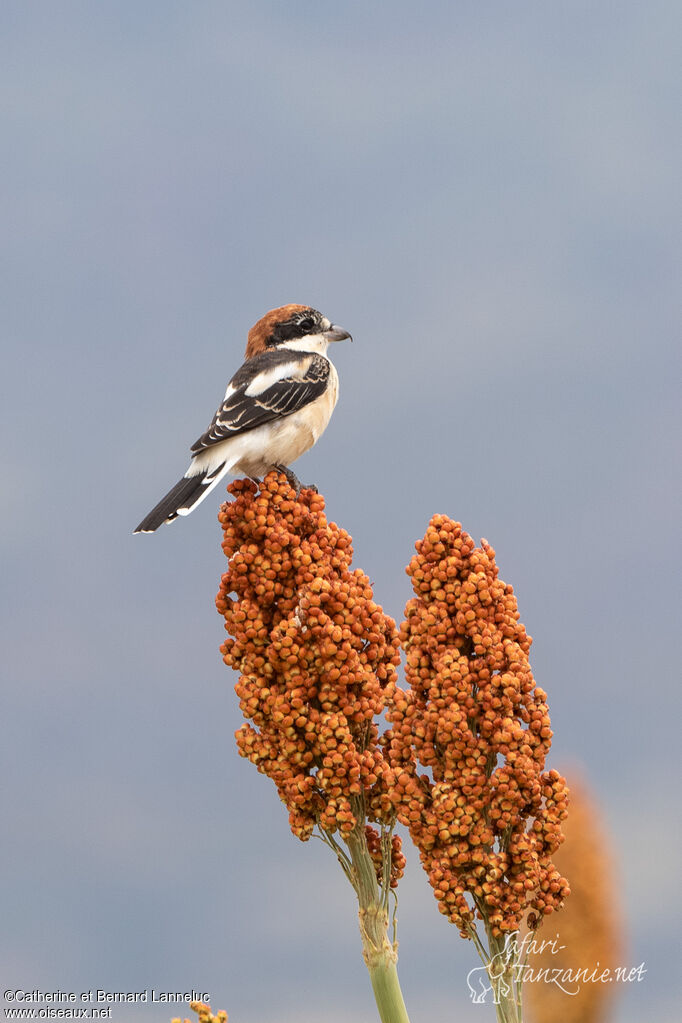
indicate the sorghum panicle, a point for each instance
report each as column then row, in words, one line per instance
column 315, row 653
column 204, row 1014
column 589, row 928
column 486, row 818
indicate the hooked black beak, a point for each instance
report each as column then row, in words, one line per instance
column 336, row 333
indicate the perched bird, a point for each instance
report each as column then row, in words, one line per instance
column 276, row 406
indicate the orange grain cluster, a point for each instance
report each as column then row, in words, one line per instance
column 486, row 818
column 397, row 858
column 204, row 1014
column 315, row 653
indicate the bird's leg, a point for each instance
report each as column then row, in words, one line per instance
column 292, row 478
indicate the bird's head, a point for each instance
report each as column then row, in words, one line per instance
column 293, row 326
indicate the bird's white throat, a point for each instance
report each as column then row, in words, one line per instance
column 310, row 343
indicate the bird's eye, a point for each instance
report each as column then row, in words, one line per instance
column 307, row 324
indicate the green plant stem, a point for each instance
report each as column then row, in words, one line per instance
column 506, row 980
column 379, row 953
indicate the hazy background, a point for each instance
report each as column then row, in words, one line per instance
column 487, row 196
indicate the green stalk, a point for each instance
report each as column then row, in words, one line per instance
column 506, row 978
column 379, row 953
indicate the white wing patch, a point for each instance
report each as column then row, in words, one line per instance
column 268, row 377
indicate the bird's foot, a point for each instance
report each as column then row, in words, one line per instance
column 292, row 478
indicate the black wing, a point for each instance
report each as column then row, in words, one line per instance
column 304, row 377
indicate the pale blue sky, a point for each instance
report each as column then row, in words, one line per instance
column 487, row 197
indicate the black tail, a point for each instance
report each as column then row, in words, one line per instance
column 179, row 500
